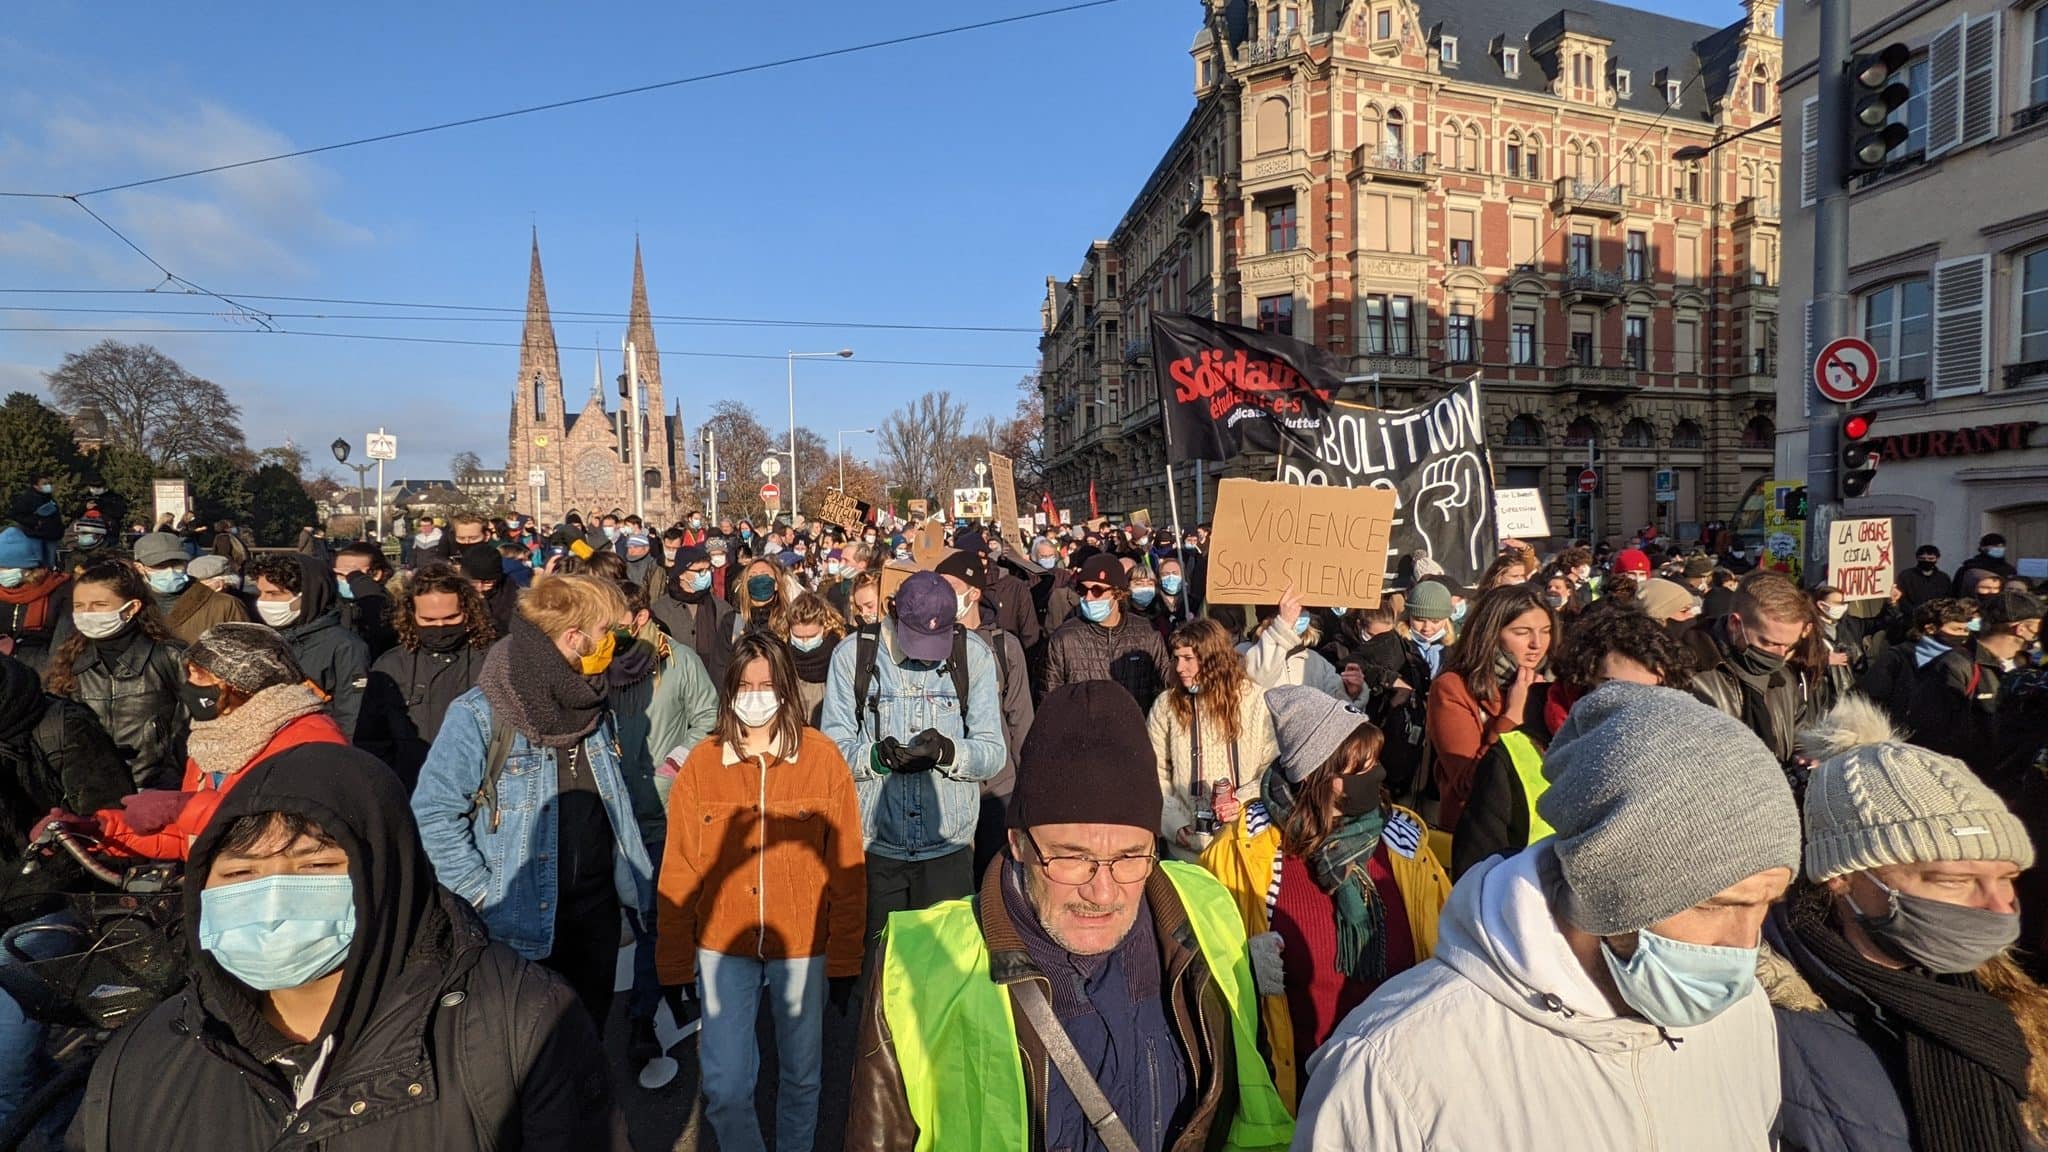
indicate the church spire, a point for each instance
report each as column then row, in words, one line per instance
column 597, row 372
column 537, row 354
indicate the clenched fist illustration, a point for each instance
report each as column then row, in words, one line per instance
column 1448, row 485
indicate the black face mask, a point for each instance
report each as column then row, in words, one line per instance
column 1928, row 567
column 1360, row 793
column 443, row 638
column 201, row 703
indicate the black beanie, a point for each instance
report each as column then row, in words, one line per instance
column 1087, row 760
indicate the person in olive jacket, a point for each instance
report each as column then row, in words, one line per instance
column 342, row 1000
column 443, row 629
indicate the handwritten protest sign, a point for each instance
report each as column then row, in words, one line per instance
column 1002, row 477
column 919, row 509
column 1518, row 514
column 842, row 510
column 1330, row 544
column 1860, row 560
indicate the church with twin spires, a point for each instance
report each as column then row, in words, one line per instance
column 586, row 456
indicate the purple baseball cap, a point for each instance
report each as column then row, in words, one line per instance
column 925, row 611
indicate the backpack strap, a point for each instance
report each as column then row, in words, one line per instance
column 98, row 1104
column 959, row 669
column 867, row 641
column 495, row 754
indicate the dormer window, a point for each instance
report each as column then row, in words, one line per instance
column 1511, row 62
column 1671, row 90
column 1447, row 50
column 1383, row 24
column 1624, row 85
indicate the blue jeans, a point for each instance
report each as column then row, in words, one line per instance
column 730, row 1056
column 23, row 1064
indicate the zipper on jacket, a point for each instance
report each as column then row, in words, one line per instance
column 1649, row 1116
column 1551, row 1003
column 761, row 871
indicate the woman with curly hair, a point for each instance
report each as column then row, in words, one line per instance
column 120, row 661
column 762, row 595
column 1500, row 817
column 444, row 628
column 1212, row 725
column 812, row 628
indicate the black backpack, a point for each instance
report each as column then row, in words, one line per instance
column 867, row 645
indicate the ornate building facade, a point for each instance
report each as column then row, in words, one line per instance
column 586, row 457
column 1434, row 190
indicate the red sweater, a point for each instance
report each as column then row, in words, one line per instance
column 1319, row 996
column 173, row 840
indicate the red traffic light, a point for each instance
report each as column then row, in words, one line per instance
column 1855, row 427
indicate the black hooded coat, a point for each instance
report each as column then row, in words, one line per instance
column 53, row 754
column 441, row 1038
column 332, row 656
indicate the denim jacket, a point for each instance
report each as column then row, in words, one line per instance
column 506, row 867
column 921, row 815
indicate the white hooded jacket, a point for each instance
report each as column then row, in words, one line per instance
column 1503, row 1042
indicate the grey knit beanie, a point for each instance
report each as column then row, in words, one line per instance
column 1875, row 800
column 1309, row 725
column 1660, row 801
column 248, row 657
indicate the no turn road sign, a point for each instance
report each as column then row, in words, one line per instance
column 1845, row 370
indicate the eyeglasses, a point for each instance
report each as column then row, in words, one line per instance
column 1079, row 871
column 1097, row 591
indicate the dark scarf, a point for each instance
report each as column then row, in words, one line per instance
column 1965, row 1057
column 1338, row 866
column 531, row 687
column 706, row 609
column 632, row 664
column 812, row 667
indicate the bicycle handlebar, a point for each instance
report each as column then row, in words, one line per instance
column 63, row 835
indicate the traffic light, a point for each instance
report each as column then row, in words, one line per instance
column 1794, row 503
column 1875, row 93
column 1859, row 457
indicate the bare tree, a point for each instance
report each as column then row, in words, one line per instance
column 922, row 444
column 464, row 464
column 287, row 455
column 1023, row 439
column 150, row 403
column 742, row 443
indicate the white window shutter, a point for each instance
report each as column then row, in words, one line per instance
column 1945, row 90
column 1962, row 325
column 1980, row 81
column 1809, row 151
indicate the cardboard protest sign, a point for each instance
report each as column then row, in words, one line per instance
column 1002, row 480
column 1860, row 560
column 928, row 544
column 1141, row 516
column 1433, row 458
column 842, row 510
column 971, row 503
column 1518, row 514
column 919, row 508
column 1329, row 544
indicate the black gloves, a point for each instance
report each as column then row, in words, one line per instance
column 928, row 750
column 841, row 993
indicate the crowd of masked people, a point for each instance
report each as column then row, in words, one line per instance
column 1619, row 849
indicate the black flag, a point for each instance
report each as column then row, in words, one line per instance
column 1224, row 388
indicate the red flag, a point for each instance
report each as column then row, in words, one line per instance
column 1052, row 513
column 1094, row 512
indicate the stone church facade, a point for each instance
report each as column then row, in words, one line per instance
column 586, row 456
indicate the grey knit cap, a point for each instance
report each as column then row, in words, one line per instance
column 1875, row 800
column 248, row 657
column 1660, row 801
column 1309, row 725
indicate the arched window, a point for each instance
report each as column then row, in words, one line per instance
column 1687, row 435
column 540, row 397
column 1767, row 183
column 1370, row 127
column 1759, row 433
column 1525, row 432
column 1745, row 180
column 1270, row 130
column 1474, row 149
column 1574, row 160
column 1760, row 91
column 1447, row 151
column 1596, row 171
column 1637, row 433
column 1533, row 156
column 1397, row 133
column 1581, row 433
column 1511, row 161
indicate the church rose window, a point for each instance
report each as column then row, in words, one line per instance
column 594, row 472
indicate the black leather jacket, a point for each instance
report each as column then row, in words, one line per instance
column 131, row 684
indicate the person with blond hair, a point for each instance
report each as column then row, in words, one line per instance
column 521, row 802
column 1210, row 726
column 812, row 628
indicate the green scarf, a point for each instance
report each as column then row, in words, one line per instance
column 1338, row 866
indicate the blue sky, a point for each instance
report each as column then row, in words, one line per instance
column 935, row 183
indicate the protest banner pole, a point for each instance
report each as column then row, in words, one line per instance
column 1180, row 548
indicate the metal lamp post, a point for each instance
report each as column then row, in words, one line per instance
column 842, row 452
column 340, row 448
column 795, row 513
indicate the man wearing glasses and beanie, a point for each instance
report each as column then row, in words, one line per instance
column 1086, row 979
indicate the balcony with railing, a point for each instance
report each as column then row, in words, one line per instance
column 2029, row 116
column 1756, row 210
column 1391, row 366
column 1589, row 197
column 1587, row 285
column 2029, row 374
column 1137, row 348
column 1144, row 413
column 1761, row 375
column 1390, row 165
column 1895, row 392
column 1591, row 380
column 1270, row 49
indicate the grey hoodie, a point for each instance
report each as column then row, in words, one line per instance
column 1503, row 1042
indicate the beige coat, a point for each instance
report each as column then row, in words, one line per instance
column 1173, row 752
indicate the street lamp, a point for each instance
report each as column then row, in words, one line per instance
column 340, row 449
column 1699, row 151
column 795, row 514
column 842, row 452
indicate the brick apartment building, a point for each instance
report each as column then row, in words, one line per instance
column 1483, row 186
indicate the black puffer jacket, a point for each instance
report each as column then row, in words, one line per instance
column 1129, row 654
column 332, row 657
column 53, row 754
column 441, row 1038
column 408, row 694
column 131, row 683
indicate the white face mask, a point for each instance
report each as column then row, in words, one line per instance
column 963, row 608
column 718, row 560
column 1834, row 611
column 755, row 709
column 102, row 625
column 279, row 613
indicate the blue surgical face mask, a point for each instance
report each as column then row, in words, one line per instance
column 1996, row 553
column 1143, row 597
column 699, row 581
column 341, row 586
column 169, row 581
column 1976, row 624
column 1340, row 611
column 12, row 577
column 280, row 931
column 1679, row 985
column 1458, row 612
column 807, row 644
column 1301, row 625
column 1097, row 611
column 1048, row 562
column 1170, row 585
